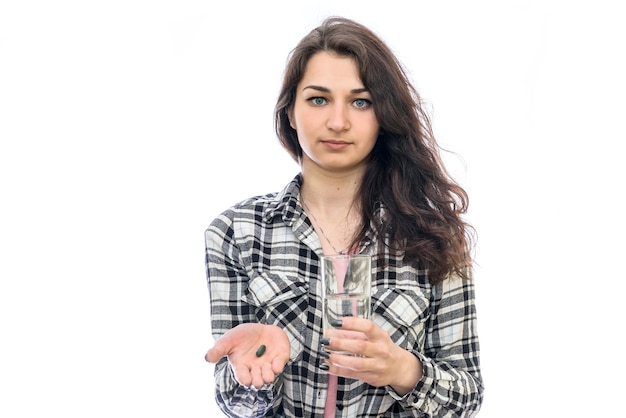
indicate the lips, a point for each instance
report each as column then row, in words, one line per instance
column 335, row 145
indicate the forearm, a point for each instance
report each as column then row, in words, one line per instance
column 443, row 377
column 408, row 375
column 451, row 383
column 444, row 390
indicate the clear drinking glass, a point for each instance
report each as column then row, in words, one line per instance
column 346, row 285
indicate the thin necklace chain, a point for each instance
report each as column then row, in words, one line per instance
column 321, row 230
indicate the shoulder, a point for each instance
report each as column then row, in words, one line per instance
column 247, row 209
column 258, row 209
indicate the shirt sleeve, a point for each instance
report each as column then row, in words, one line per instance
column 451, row 383
column 227, row 280
column 236, row 400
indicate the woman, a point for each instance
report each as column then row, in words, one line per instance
column 371, row 182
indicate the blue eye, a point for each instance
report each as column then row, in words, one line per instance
column 361, row 103
column 318, row 101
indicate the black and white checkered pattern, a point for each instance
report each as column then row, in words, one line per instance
column 262, row 259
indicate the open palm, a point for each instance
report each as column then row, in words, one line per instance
column 241, row 345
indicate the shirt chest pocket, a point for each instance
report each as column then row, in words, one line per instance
column 403, row 314
column 281, row 301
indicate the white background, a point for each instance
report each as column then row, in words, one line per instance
column 126, row 126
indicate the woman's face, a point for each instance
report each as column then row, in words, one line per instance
column 333, row 115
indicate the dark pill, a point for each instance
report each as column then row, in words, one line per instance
column 261, row 350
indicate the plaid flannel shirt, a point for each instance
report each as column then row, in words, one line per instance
column 262, row 258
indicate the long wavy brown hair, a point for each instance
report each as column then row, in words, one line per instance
column 423, row 205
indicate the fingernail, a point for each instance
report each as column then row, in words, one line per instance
column 337, row 323
column 324, row 354
column 325, row 341
column 324, row 367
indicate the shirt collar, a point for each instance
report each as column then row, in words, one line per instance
column 287, row 206
column 287, row 203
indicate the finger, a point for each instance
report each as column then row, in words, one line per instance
column 279, row 363
column 257, row 378
column 215, row 353
column 266, row 373
column 340, row 333
column 335, row 366
column 348, row 345
column 350, row 362
column 365, row 326
column 242, row 374
column 222, row 347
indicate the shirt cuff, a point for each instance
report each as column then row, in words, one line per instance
column 237, row 400
column 418, row 398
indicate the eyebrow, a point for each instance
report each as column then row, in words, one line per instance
column 327, row 90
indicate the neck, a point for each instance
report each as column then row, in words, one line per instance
column 331, row 202
column 330, row 194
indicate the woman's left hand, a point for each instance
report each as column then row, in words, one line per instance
column 378, row 361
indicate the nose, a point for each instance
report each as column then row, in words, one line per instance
column 338, row 118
